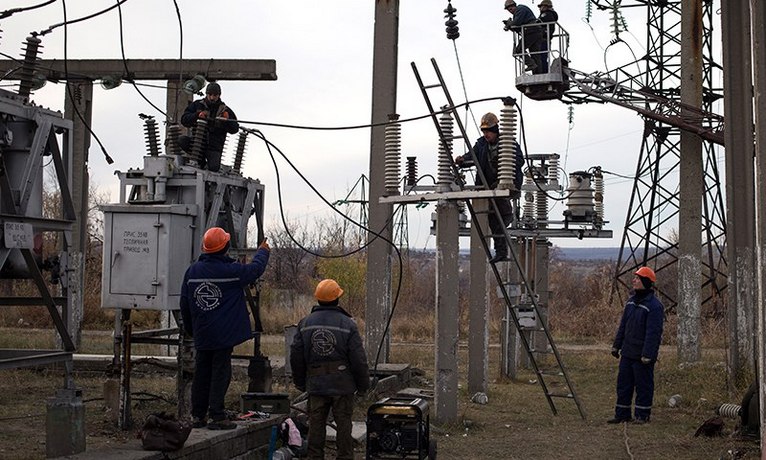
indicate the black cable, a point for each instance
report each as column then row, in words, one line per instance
column 109, row 159
column 75, row 21
column 125, row 62
column 372, row 125
column 367, row 229
column 8, row 13
column 462, row 81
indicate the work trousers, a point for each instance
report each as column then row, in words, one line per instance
column 342, row 410
column 497, row 227
column 212, row 375
column 632, row 376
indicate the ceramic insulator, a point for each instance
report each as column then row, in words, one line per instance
column 444, row 175
column 174, row 131
column 506, row 161
column 239, row 154
column 152, row 137
column 393, row 152
column 598, row 196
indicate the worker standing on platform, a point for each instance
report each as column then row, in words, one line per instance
column 548, row 17
column 212, row 109
column 530, row 35
column 214, row 312
column 638, row 341
column 486, row 150
column 329, row 362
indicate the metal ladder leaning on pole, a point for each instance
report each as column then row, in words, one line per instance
column 542, row 374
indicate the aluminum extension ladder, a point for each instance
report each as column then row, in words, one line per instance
column 548, row 377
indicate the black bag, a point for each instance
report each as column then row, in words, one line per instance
column 163, row 432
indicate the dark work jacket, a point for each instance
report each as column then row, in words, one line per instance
column 489, row 166
column 213, row 301
column 640, row 330
column 523, row 17
column 217, row 130
column 548, row 17
column 327, row 356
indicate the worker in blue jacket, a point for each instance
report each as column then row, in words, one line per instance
column 637, row 344
column 214, row 312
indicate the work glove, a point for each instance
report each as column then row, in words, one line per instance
column 202, row 114
column 264, row 245
column 615, row 352
column 507, row 24
column 225, row 115
column 645, row 360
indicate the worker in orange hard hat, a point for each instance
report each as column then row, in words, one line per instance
column 637, row 345
column 214, row 313
column 329, row 363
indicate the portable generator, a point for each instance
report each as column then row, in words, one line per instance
column 398, row 427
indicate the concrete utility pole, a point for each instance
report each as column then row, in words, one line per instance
column 478, row 301
column 384, row 72
column 78, row 106
column 758, row 18
column 691, row 191
column 740, row 188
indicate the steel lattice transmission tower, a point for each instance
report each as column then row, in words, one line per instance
column 654, row 203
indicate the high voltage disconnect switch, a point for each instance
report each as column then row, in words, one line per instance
column 451, row 23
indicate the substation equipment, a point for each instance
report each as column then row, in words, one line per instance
column 522, row 280
column 155, row 232
column 399, row 427
column 37, row 222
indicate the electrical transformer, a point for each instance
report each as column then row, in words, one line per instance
column 154, row 233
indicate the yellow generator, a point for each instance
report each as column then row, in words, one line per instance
column 398, row 427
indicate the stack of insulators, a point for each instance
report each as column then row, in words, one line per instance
column 174, row 131
column 199, row 140
column 412, row 171
column 27, row 71
column 451, row 23
column 239, row 155
column 152, row 137
column 506, row 156
column 392, row 155
column 598, row 196
column 444, row 177
column 529, row 199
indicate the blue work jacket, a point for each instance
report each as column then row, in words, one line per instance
column 640, row 330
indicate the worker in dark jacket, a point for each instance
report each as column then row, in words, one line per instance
column 329, row 362
column 220, row 121
column 530, row 35
column 214, row 312
column 486, row 151
column 548, row 18
column 638, row 341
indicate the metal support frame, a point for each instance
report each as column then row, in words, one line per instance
column 654, row 202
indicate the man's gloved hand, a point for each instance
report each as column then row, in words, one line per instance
column 264, row 245
column 615, row 352
column 459, row 160
column 507, row 24
column 645, row 360
column 225, row 115
column 202, row 114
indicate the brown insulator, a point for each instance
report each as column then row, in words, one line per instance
column 172, row 147
column 199, row 140
column 28, row 66
column 239, row 154
column 412, row 171
column 152, row 137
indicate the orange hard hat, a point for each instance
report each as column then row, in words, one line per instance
column 647, row 272
column 214, row 240
column 328, row 290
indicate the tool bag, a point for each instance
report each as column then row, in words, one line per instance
column 163, row 432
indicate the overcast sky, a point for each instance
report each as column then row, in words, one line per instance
column 323, row 52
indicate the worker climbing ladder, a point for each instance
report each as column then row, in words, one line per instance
column 547, row 377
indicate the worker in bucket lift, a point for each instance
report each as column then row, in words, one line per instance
column 212, row 109
column 329, row 362
column 530, row 36
column 636, row 344
column 548, row 18
column 486, row 150
column 214, row 313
